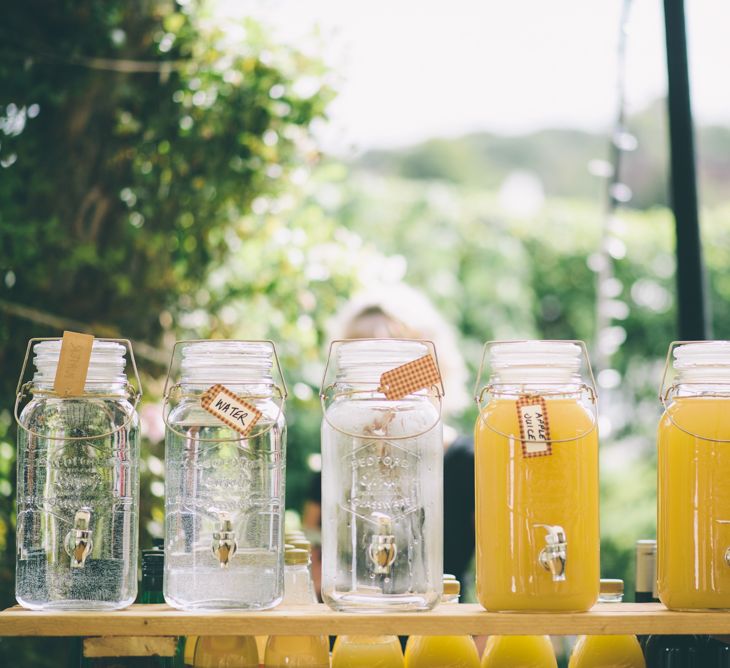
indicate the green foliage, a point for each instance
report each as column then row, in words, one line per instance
column 123, row 193
column 122, row 186
column 483, row 160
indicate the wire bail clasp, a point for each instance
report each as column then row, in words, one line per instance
column 667, row 392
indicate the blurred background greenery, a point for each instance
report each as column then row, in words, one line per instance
column 159, row 180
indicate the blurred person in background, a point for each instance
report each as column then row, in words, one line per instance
column 399, row 311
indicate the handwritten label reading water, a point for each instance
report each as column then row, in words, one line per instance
column 534, row 426
column 409, row 378
column 73, row 364
column 230, row 409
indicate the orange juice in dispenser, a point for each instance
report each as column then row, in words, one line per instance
column 693, row 522
column 536, row 461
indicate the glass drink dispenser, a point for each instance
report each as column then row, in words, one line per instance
column 224, row 477
column 536, row 462
column 78, row 481
column 693, row 523
column 382, row 480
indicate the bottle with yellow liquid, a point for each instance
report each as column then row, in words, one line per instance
column 292, row 539
column 693, row 522
column 443, row 651
column 608, row 651
column 189, row 651
column 522, row 651
column 311, row 651
column 226, row 652
column 536, row 460
column 367, row 652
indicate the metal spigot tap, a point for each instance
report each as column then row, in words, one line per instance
column 382, row 549
column 224, row 541
column 78, row 541
column 555, row 553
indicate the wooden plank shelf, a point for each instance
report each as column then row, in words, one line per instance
column 161, row 620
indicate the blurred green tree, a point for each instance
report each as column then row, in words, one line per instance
column 133, row 136
column 559, row 157
column 118, row 183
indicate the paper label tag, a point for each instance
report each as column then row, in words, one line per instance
column 73, row 364
column 230, row 409
column 409, row 378
column 534, row 426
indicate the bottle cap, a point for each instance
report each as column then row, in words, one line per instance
column 609, row 586
column 452, row 588
column 645, row 547
column 301, row 544
column 646, row 582
column 611, row 591
column 153, row 567
column 296, row 557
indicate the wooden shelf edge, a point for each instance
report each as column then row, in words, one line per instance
column 161, row 620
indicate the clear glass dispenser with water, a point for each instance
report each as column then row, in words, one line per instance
column 224, row 476
column 78, row 481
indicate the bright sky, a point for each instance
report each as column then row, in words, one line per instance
column 414, row 69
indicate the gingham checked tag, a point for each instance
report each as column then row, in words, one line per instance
column 230, row 409
column 534, row 426
column 409, row 378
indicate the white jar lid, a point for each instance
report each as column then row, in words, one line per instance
column 703, row 361
column 367, row 359
column 535, row 361
column 106, row 365
column 205, row 363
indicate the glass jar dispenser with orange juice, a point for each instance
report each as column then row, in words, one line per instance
column 536, row 458
column 693, row 523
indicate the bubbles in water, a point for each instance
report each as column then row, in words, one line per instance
column 208, row 480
